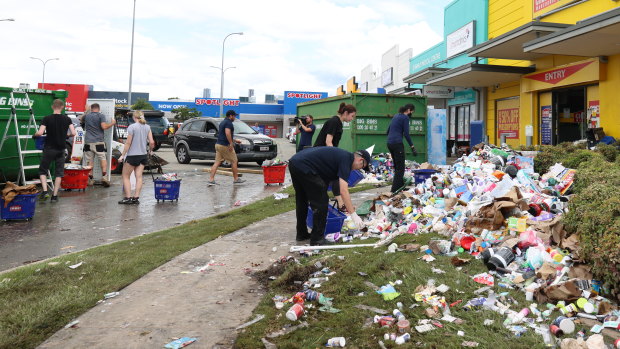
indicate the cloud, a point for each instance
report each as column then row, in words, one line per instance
column 312, row 45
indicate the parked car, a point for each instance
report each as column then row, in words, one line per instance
column 160, row 126
column 196, row 140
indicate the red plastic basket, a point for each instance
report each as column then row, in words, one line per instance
column 75, row 179
column 274, row 174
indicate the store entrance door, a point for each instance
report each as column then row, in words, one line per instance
column 569, row 114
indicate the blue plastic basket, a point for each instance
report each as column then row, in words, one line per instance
column 21, row 207
column 39, row 142
column 335, row 219
column 167, row 190
column 354, row 177
column 421, row 175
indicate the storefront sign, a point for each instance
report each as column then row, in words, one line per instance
column 545, row 125
column 508, row 123
column 216, row 101
column 292, row 98
column 427, row 58
column 569, row 74
column 460, row 40
column 463, row 97
column 432, row 91
column 556, row 75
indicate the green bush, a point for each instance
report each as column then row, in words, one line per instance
column 610, row 152
column 595, row 215
column 567, row 154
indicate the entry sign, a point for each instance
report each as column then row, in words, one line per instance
column 432, row 91
column 545, row 127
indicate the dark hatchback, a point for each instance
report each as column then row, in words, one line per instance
column 196, row 140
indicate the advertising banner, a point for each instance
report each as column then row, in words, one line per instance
column 545, row 125
column 77, row 95
column 436, row 136
column 120, row 97
column 292, row 98
column 508, row 123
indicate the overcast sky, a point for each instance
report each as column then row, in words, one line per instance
column 309, row 45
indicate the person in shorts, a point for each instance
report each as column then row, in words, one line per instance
column 57, row 126
column 135, row 156
column 224, row 148
column 94, row 125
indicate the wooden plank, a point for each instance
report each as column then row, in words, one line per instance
column 221, row 172
column 240, row 170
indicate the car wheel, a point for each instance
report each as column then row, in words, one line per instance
column 116, row 167
column 68, row 150
column 183, row 155
column 157, row 145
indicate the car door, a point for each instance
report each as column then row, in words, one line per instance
column 196, row 136
column 211, row 139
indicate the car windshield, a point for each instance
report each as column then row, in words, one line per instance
column 243, row 128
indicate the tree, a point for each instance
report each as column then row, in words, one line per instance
column 142, row 104
column 185, row 113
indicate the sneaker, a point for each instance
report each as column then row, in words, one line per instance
column 105, row 182
column 126, row 201
column 54, row 198
column 135, row 201
column 210, row 183
column 44, row 196
column 239, row 181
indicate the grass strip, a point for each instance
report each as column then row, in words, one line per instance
column 38, row 299
column 383, row 268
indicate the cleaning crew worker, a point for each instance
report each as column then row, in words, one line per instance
column 399, row 128
column 311, row 171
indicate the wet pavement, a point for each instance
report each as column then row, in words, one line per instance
column 81, row 220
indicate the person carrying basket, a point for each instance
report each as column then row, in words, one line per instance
column 135, row 156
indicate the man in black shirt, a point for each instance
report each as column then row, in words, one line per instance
column 311, row 170
column 56, row 125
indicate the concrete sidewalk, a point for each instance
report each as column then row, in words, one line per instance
column 171, row 303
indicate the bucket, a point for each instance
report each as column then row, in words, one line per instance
column 501, row 259
column 39, row 142
column 295, row 312
column 486, row 255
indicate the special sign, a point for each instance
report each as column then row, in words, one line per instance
column 508, row 123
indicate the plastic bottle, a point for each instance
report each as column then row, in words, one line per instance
column 399, row 315
column 318, row 280
column 403, row 339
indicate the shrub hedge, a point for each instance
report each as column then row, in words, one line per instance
column 594, row 209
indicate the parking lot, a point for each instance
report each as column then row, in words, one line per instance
column 82, row 220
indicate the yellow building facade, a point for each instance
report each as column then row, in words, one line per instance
column 571, row 91
column 552, row 71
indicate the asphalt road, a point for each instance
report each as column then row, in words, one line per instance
column 81, row 220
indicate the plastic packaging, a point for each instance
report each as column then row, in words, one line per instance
column 336, row 342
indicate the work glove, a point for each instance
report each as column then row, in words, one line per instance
column 413, row 151
column 357, row 220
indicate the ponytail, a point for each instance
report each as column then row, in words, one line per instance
column 348, row 108
column 140, row 116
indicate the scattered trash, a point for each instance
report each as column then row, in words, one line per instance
column 280, row 196
column 110, row 295
column 258, row 318
column 373, row 309
column 74, row 266
column 73, row 324
column 180, row 343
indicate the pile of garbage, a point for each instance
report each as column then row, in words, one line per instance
column 169, row 177
column 273, row 162
column 492, row 205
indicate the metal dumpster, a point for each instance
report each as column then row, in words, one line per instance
column 41, row 101
column 374, row 113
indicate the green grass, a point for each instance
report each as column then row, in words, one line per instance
column 382, row 268
column 38, row 299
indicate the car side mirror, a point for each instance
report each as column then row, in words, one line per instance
column 211, row 132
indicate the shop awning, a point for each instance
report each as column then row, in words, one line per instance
column 510, row 45
column 423, row 75
column 596, row 36
column 479, row 75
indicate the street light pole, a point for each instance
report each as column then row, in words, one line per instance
column 44, row 63
column 222, row 74
column 133, row 24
